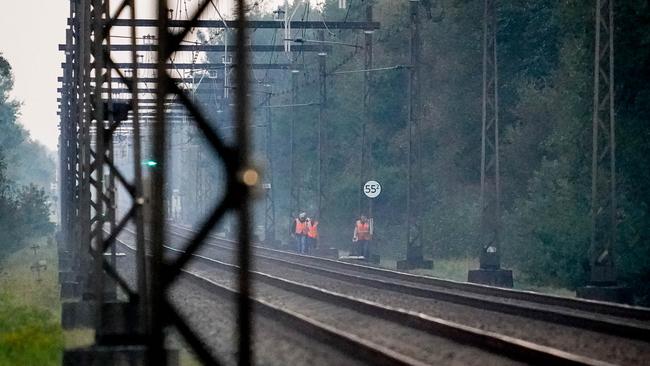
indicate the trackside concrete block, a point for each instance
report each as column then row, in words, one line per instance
column 69, row 290
column 67, row 276
column 414, row 264
column 112, row 356
column 491, row 277
column 619, row 294
column 326, row 252
column 120, row 324
column 77, row 314
column 65, row 264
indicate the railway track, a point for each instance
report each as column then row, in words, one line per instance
column 403, row 326
column 623, row 312
column 616, row 338
column 627, row 321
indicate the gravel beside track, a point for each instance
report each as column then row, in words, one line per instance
column 616, row 312
column 602, row 310
column 402, row 339
column 274, row 343
column 591, row 344
column 214, row 318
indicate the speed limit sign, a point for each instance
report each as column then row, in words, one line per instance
column 372, row 189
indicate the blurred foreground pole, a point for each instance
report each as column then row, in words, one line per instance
column 247, row 178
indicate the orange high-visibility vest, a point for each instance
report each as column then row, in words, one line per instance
column 301, row 227
column 363, row 230
column 313, row 230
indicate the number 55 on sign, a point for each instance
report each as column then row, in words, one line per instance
column 372, row 189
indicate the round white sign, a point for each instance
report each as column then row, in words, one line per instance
column 372, row 189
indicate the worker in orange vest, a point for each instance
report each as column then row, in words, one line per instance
column 299, row 232
column 312, row 234
column 362, row 236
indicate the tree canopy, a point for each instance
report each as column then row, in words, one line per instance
column 26, row 171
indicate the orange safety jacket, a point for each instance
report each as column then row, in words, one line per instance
column 312, row 230
column 301, row 227
column 363, row 230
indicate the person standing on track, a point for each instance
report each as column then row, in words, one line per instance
column 299, row 232
column 361, row 238
column 312, row 234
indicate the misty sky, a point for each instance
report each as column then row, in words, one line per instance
column 30, row 32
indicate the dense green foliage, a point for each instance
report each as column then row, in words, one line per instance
column 545, row 52
column 28, row 336
column 25, row 172
column 30, row 330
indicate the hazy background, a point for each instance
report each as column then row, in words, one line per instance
column 29, row 36
column 30, row 32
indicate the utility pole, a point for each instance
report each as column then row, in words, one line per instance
column 366, row 142
column 294, row 184
column 138, row 199
column 97, row 234
column 67, row 178
column 269, row 211
column 414, row 252
column 490, row 272
column 84, row 124
column 322, row 73
column 110, row 190
column 367, row 134
column 603, row 279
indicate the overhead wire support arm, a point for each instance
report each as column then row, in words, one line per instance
column 253, row 24
column 212, row 48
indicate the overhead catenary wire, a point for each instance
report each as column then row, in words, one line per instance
column 388, row 68
column 290, row 105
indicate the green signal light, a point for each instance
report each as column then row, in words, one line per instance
column 151, row 163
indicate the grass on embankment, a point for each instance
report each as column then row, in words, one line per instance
column 30, row 331
column 456, row 269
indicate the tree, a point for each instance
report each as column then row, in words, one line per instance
column 24, row 211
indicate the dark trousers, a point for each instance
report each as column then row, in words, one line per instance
column 301, row 243
column 310, row 244
column 361, row 248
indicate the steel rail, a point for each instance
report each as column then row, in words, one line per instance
column 510, row 347
column 591, row 306
column 590, row 322
column 348, row 343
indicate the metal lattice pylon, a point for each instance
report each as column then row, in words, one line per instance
column 414, row 249
column 90, row 222
column 603, row 209
column 490, row 194
column 88, row 127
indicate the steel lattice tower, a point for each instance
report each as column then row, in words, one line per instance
column 603, row 169
column 603, row 278
column 490, row 271
column 490, row 195
column 414, row 250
